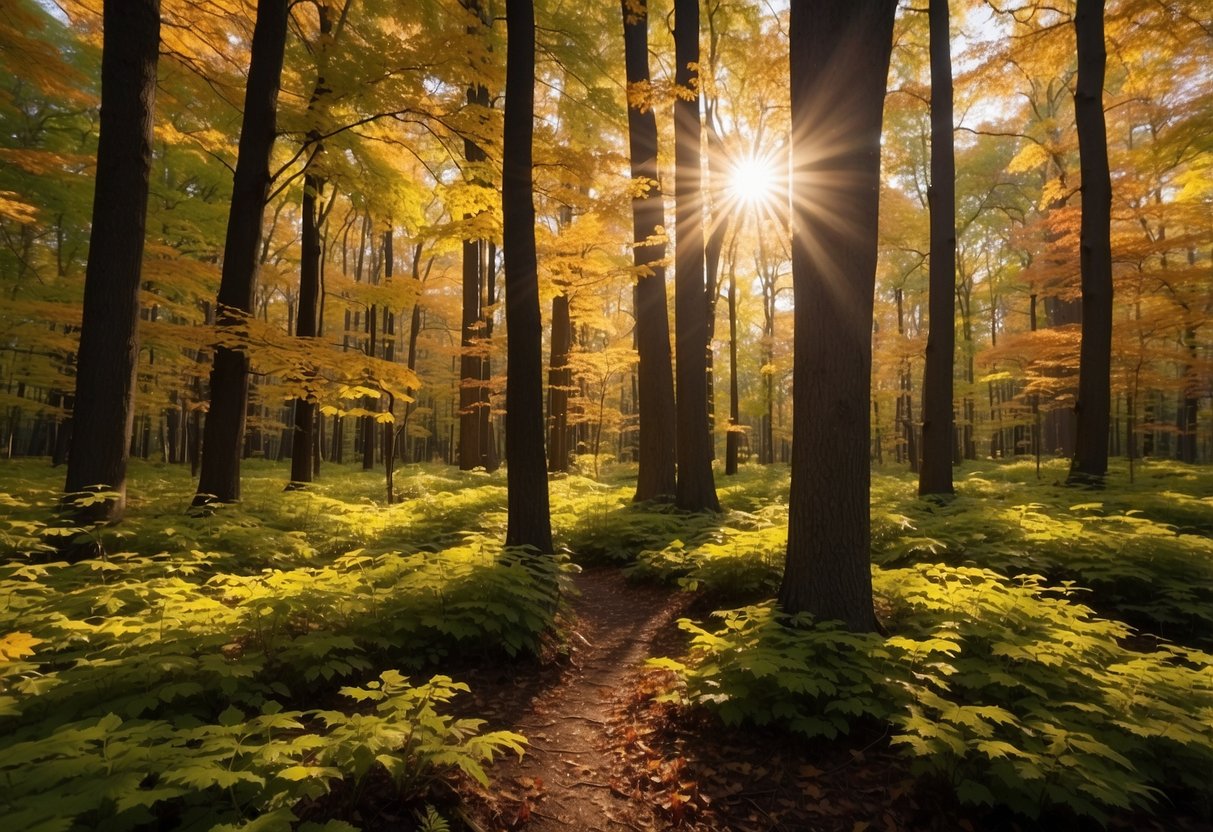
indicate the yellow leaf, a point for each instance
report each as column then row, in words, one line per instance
column 17, row 646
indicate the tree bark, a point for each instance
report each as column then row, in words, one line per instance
column 696, row 490
column 560, row 381
column 656, row 425
column 1093, row 408
column 935, row 475
column 839, row 69
column 219, row 475
column 473, row 392
column 732, row 445
column 305, row 327
column 108, row 357
column 529, row 519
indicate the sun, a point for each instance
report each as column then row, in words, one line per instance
column 754, row 180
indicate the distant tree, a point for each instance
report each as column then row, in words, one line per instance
column 476, row 447
column 108, row 357
column 935, row 475
column 696, row 489
column 304, row 457
column 839, row 70
column 529, row 517
column 655, row 374
column 223, row 437
column 1093, row 407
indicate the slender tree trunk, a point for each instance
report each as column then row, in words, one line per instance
column 473, row 394
column 411, row 360
column 305, row 327
column 219, row 477
column 368, row 424
column 1093, row 407
column 656, row 477
column 733, row 438
column 108, row 357
column 839, row 66
column 935, row 475
column 560, row 381
column 529, row 519
column 696, row 484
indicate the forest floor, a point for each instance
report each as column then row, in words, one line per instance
column 606, row 755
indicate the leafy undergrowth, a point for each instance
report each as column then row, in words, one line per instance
column 244, row 665
column 236, row 667
column 1144, row 551
column 1006, row 691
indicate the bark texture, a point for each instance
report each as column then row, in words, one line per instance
column 1094, row 405
column 305, row 327
column 935, row 475
column 219, row 474
column 839, row 70
column 109, row 334
column 655, row 372
column 529, row 522
column 696, row 490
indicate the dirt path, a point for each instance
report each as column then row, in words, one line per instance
column 567, row 778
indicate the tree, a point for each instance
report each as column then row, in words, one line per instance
column 935, row 475
column 1093, row 407
column 656, row 477
column 839, row 69
column 108, row 357
column 530, row 522
column 223, row 438
column 304, row 457
column 696, row 490
column 475, row 437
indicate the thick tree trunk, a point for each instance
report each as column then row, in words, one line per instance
column 656, row 477
column 109, row 336
column 530, row 522
column 839, row 66
column 696, row 485
column 1093, row 408
column 935, row 475
column 219, row 477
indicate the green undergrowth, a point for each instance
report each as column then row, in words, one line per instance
column 213, row 669
column 1007, row 691
column 1144, row 550
column 244, row 664
column 1137, row 548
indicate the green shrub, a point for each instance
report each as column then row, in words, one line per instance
column 1006, row 690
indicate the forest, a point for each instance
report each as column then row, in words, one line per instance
column 665, row 414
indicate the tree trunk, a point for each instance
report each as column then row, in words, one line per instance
column 732, row 446
column 1093, row 407
column 696, row 485
column 839, row 66
column 935, row 475
column 656, row 425
column 529, row 521
column 560, row 381
column 108, row 357
column 473, row 394
column 305, row 327
column 219, row 477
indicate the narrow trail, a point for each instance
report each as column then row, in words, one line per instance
column 567, row 778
